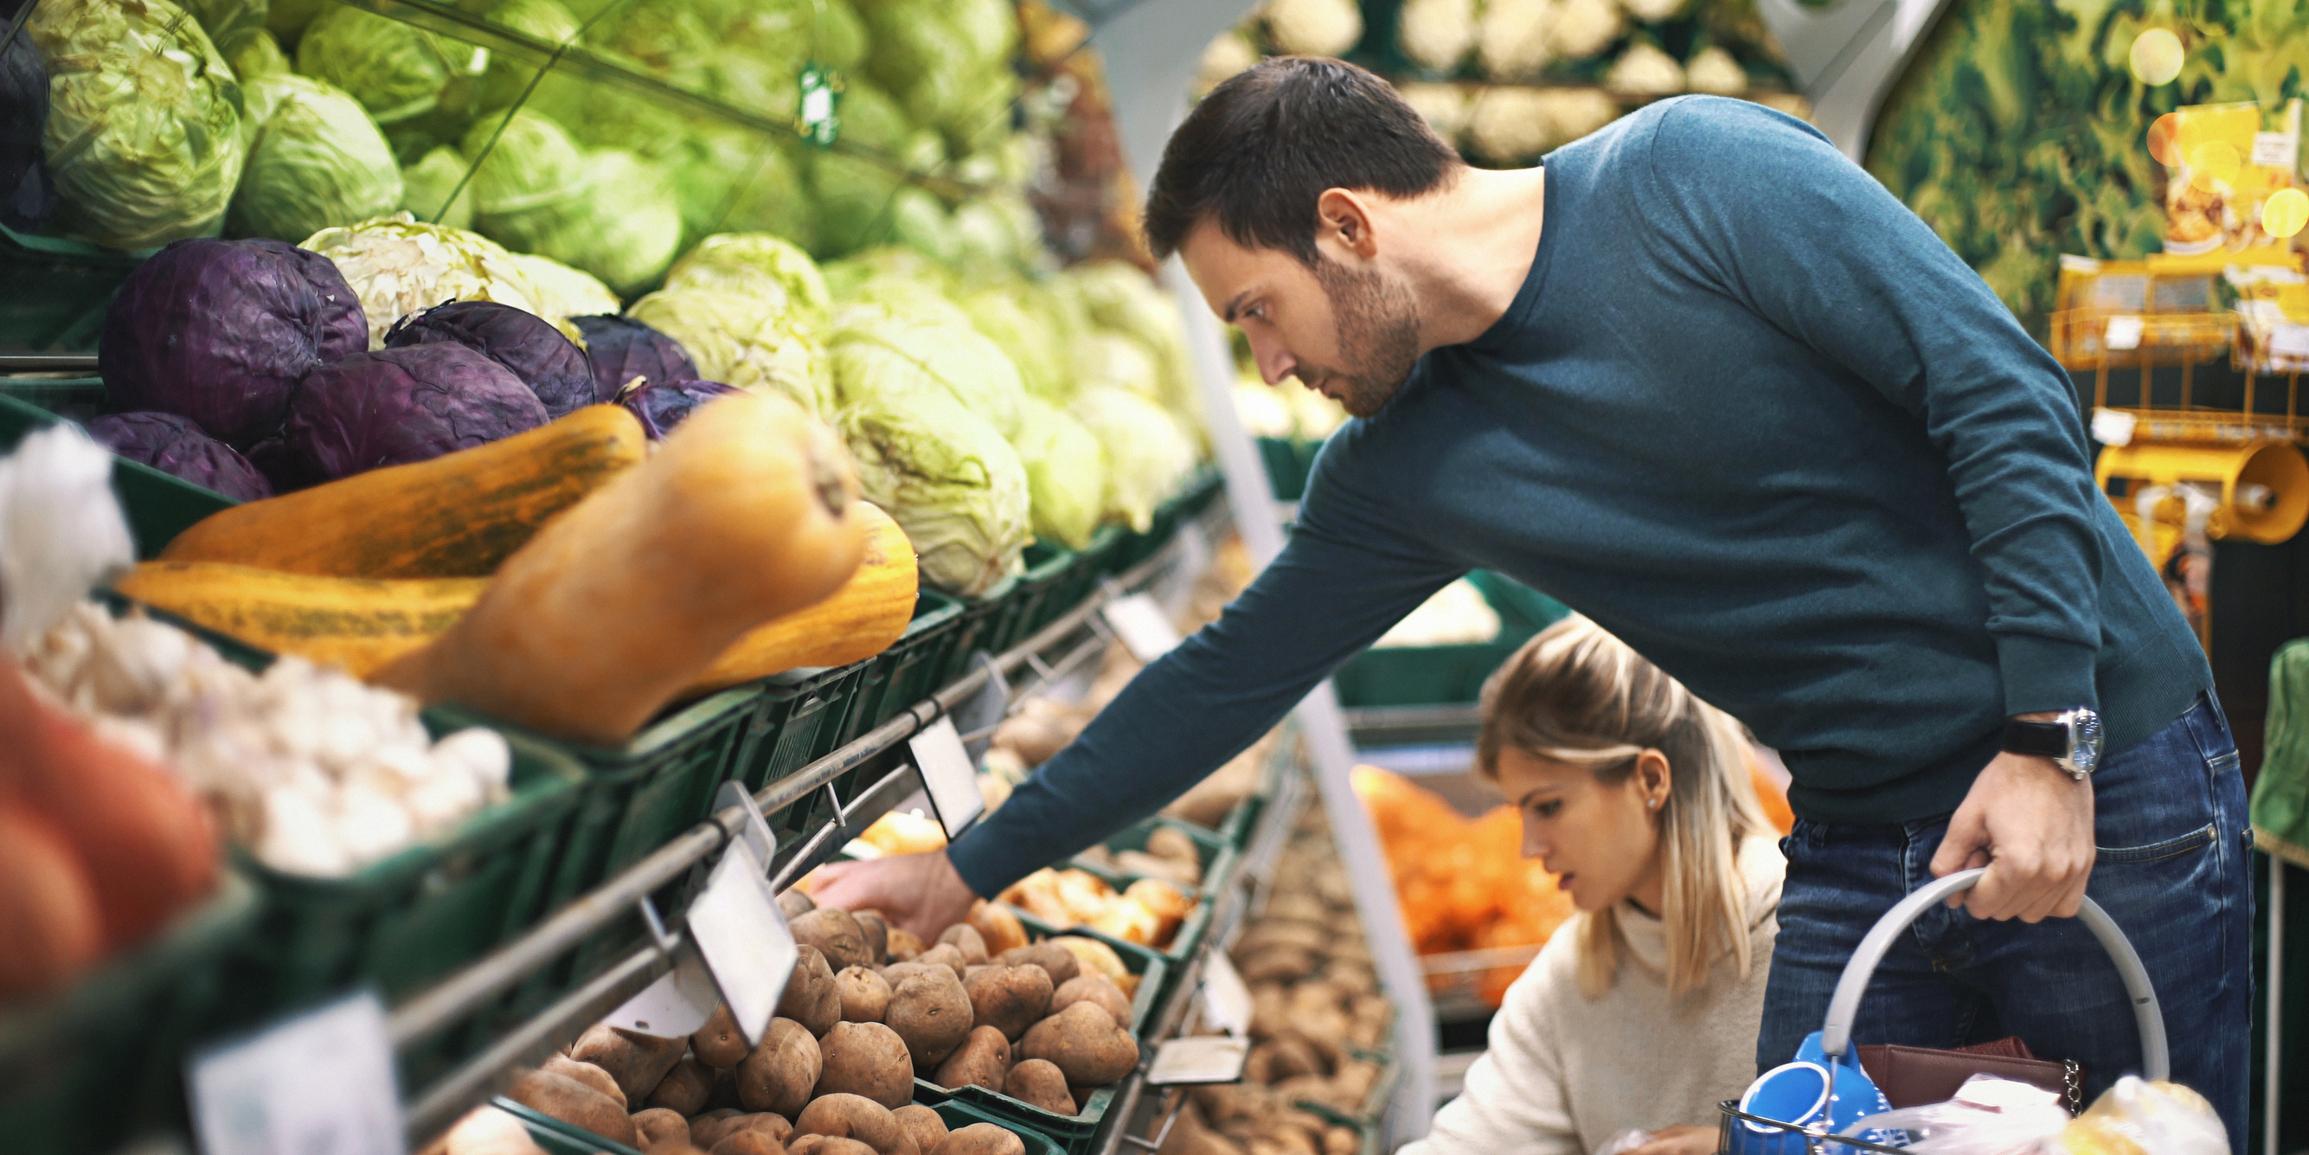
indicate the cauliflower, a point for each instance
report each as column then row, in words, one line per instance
column 1512, row 40
column 1510, row 125
column 1572, row 113
column 1227, row 54
column 1444, row 106
column 1655, row 11
column 1437, row 34
column 1314, row 27
column 1644, row 70
column 1579, row 29
column 1714, row 70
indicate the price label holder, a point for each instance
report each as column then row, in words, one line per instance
column 1201, row 1061
column 818, row 116
column 1142, row 627
column 2113, row 426
column 2123, row 334
column 320, row 1083
column 1226, row 998
column 978, row 716
column 949, row 776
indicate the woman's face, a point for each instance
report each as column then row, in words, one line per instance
column 1601, row 840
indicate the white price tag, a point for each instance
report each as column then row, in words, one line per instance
column 2114, row 426
column 1142, row 626
column 948, row 776
column 1226, row 999
column 1199, row 1061
column 2278, row 150
column 318, row 1084
column 2123, row 334
column 817, row 105
column 2289, row 341
column 743, row 936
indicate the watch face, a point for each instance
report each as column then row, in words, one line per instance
column 2085, row 745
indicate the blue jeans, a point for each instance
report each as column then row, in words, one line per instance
column 2169, row 818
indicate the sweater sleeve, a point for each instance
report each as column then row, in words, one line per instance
column 1514, row 1098
column 1761, row 207
column 1345, row 577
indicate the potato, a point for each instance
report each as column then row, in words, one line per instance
column 828, row 1145
column 711, row 1128
column 720, row 1044
column 853, row 1117
column 1039, row 1083
column 811, row 998
column 659, row 1125
column 962, row 938
column 778, row 1075
column 1054, row 959
column 982, row 1060
column 904, row 945
column 574, row 1103
column 486, row 1131
column 923, row 1125
column 998, row 926
column 947, row 955
column 589, row 1075
column 794, row 904
column 865, row 995
column 1176, row 844
column 747, row 1143
column 836, row 935
column 1085, row 1043
column 866, row 1060
column 931, row 1012
column 1277, row 964
column 1092, row 988
column 636, row 1061
column 1008, row 998
column 686, row 1088
column 982, row 1139
column 877, row 931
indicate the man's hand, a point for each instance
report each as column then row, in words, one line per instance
column 920, row 892
column 2031, row 825
column 1679, row 1140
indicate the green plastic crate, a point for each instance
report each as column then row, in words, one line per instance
column 800, row 720
column 158, row 505
column 61, row 292
column 913, row 668
column 1218, row 862
column 1075, row 1134
column 1289, row 461
column 105, row 1059
column 1447, row 675
column 1027, row 607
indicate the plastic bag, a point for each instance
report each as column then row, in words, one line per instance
column 61, row 531
column 1624, row 1142
column 1988, row 1116
column 2136, row 1117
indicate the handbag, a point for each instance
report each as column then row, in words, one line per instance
column 1922, row 1076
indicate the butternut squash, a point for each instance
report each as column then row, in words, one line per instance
column 458, row 515
column 861, row 620
column 360, row 624
column 746, row 513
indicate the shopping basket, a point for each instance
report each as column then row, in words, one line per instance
column 1844, row 1006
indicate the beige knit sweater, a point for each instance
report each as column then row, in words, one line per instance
column 1563, row 1073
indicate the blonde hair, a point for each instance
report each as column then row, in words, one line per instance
column 1578, row 695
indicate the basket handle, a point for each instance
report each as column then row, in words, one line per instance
column 1836, row 1038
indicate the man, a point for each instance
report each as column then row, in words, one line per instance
column 1702, row 379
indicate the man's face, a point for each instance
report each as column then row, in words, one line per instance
column 1347, row 331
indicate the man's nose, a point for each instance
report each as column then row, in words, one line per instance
column 1274, row 363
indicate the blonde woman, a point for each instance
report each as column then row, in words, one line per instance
column 1641, row 1013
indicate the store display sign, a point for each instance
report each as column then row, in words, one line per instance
column 1226, row 998
column 1200, row 1061
column 744, row 938
column 320, row 1083
column 948, row 776
column 2123, row 334
column 1142, row 627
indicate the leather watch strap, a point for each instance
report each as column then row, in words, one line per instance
column 2039, row 739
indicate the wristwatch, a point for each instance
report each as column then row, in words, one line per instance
column 2073, row 740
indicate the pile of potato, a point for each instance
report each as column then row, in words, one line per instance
column 869, row 1008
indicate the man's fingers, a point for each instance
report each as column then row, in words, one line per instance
column 1967, row 837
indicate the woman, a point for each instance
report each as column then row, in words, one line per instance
column 1640, row 1015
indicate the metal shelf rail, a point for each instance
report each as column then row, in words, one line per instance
column 1067, row 644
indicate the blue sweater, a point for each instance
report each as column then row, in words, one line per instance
column 1749, row 414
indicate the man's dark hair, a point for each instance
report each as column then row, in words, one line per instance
column 1260, row 150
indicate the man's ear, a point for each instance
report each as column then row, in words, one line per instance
column 1343, row 225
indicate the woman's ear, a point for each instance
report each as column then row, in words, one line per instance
column 1655, row 778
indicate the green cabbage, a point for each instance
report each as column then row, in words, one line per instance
column 564, row 292
column 1065, row 473
column 1120, row 298
column 398, row 71
column 745, row 342
column 1148, row 455
column 426, row 187
column 1013, row 316
column 318, row 161
column 997, row 232
column 620, row 221
column 526, row 160
column 253, row 52
column 761, row 190
column 918, row 221
column 858, row 276
column 397, row 266
column 878, row 352
column 1105, row 357
column 854, row 197
column 754, row 264
column 509, row 75
column 145, row 139
column 947, row 477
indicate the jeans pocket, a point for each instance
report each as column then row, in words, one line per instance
column 2191, row 842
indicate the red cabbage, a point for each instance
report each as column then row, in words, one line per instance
column 222, row 331
column 663, row 405
column 527, row 345
column 176, row 446
column 396, row 406
column 622, row 349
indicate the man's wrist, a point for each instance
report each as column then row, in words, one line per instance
column 2038, row 716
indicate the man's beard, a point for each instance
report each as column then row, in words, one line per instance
column 1378, row 326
